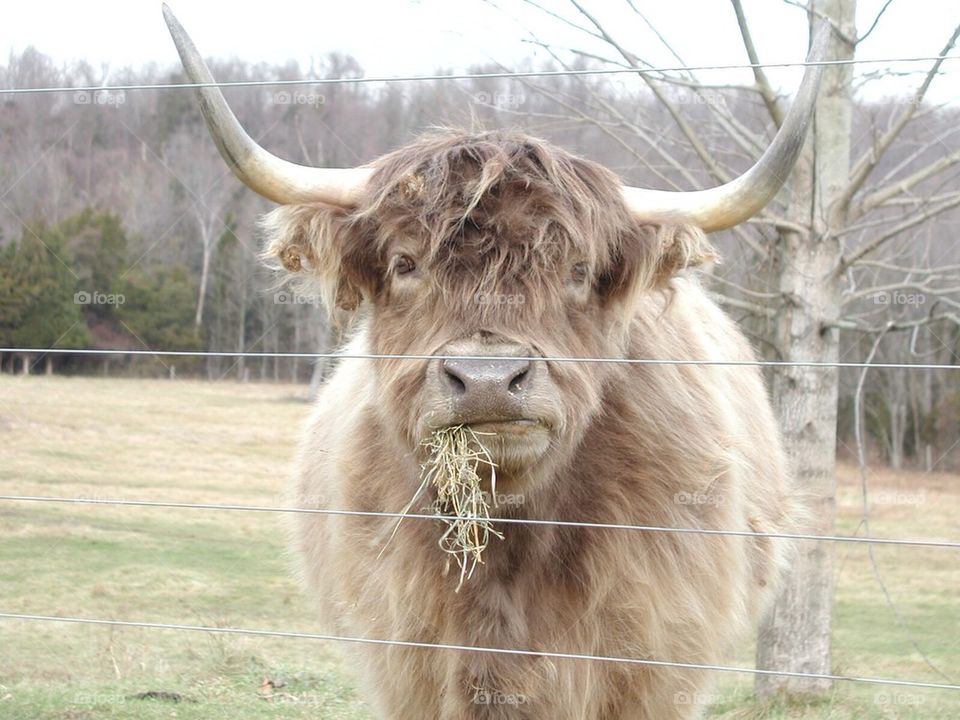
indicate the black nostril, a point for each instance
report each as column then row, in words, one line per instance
column 517, row 383
column 452, row 376
column 486, row 378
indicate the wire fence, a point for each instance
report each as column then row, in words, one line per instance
column 81, row 500
column 481, row 649
column 476, row 76
column 919, row 543
column 943, row 544
column 543, row 358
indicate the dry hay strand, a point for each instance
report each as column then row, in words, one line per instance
column 456, row 456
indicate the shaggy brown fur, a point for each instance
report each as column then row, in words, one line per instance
column 672, row 445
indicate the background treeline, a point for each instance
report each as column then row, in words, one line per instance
column 120, row 227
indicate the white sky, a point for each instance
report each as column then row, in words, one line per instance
column 419, row 36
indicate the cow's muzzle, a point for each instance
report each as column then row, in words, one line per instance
column 488, row 387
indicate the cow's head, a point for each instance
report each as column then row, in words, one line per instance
column 486, row 256
column 495, row 245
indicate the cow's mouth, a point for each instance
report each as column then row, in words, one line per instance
column 514, row 426
column 513, row 444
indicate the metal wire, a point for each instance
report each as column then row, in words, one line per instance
column 631, row 361
column 400, row 356
column 471, row 76
column 507, row 521
column 479, row 649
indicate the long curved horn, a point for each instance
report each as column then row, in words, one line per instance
column 733, row 202
column 279, row 180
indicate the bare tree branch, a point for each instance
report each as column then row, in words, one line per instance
column 878, row 197
column 564, row 20
column 660, row 37
column 849, row 324
column 776, row 221
column 873, row 25
column 823, row 16
column 940, row 269
column 866, row 164
column 909, row 159
column 894, row 231
column 752, row 308
column 905, row 285
column 657, row 147
column 763, row 83
column 739, row 132
column 699, row 148
column 912, row 202
column 862, row 462
column 876, row 20
column 747, row 291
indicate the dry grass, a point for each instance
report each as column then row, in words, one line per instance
column 229, row 443
column 457, row 456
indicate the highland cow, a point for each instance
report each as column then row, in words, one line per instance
column 495, row 259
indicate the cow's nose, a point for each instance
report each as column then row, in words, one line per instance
column 481, row 380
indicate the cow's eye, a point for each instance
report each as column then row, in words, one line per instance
column 403, row 265
column 579, row 272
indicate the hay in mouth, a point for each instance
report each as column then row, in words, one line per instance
column 456, row 455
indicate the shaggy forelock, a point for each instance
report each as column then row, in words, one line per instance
column 494, row 212
column 500, row 207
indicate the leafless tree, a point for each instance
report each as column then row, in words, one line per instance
column 843, row 236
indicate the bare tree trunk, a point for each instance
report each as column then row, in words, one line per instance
column 242, row 373
column 25, row 368
column 796, row 635
column 48, row 364
column 263, row 339
column 917, row 418
column 295, row 360
column 204, row 278
column 898, row 433
column 320, row 365
column 276, row 349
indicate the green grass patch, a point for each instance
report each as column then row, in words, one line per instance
column 230, row 443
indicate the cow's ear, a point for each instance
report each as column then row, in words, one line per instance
column 680, row 247
column 327, row 249
column 650, row 256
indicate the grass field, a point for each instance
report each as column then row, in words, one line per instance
column 229, row 443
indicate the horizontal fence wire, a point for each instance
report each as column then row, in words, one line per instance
column 502, row 520
column 414, row 356
column 480, row 649
column 473, row 76
column 400, row 516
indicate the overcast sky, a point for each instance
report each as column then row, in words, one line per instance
column 419, row 36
